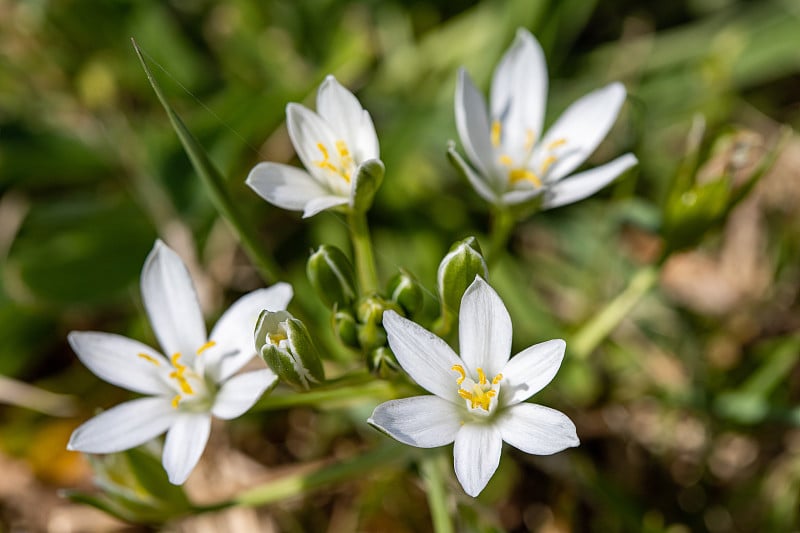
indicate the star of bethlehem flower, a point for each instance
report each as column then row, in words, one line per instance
column 514, row 160
column 188, row 385
column 334, row 144
column 478, row 398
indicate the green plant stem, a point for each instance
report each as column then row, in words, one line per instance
column 588, row 337
column 215, row 185
column 362, row 248
column 305, row 482
column 372, row 390
column 502, row 224
column 437, row 495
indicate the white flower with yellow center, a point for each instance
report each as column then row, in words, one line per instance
column 333, row 144
column 479, row 398
column 193, row 382
column 513, row 160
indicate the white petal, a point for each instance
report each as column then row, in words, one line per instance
column 322, row 203
column 424, row 356
column 421, row 421
column 530, row 370
column 537, row 429
column 519, row 90
column 123, row 427
column 234, row 329
column 583, row 125
column 477, row 181
column 239, row 393
column 343, row 112
column 184, row 445
column 171, row 303
column 518, row 196
column 284, row 186
column 116, row 359
column 484, row 329
column 472, row 124
column 307, row 131
column 579, row 186
column 476, row 454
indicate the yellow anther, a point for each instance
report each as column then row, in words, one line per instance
column 497, row 379
column 530, row 139
column 324, row 151
column 481, row 376
column 341, row 147
column 174, row 359
column 496, row 130
column 521, row 174
column 206, row 346
column 506, row 160
column 149, row 358
column 176, row 400
column 549, row 160
column 555, row 144
column 460, row 370
column 276, row 338
column 178, row 376
column 465, row 394
column 344, row 155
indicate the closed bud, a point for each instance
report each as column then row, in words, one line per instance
column 284, row 343
column 366, row 183
column 457, row 271
column 331, row 275
column 382, row 363
column 370, row 316
column 404, row 290
column 345, row 328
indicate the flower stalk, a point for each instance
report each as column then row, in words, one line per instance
column 362, row 249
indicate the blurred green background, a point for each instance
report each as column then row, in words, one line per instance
column 688, row 413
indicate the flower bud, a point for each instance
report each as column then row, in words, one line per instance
column 331, row 275
column 366, row 183
column 382, row 363
column 370, row 314
column 284, row 343
column 345, row 328
column 457, row 271
column 404, row 290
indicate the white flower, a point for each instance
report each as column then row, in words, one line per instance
column 195, row 380
column 479, row 398
column 333, row 144
column 513, row 161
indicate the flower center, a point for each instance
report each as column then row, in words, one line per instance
column 182, row 375
column 343, row 167
column 523, row 172
column 477, row 394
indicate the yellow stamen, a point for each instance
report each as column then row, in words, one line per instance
column 506, row 160
column 175, row 401
column 344, row 155
column 481, row 376
column 149, row 358
column 178, row 376
column 460, row 370
column 520, row 174
column 174, row 359
column 465, row 394
column 530, row 139
column 496, row 129
column 206, row 346
column 555, row 144
column 276, row 338
column 341, row 147
column 497, row 379
column 549, row 160
column 324, row 151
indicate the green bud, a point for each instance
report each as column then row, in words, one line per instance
column 382, row 363
column 331, row 275
column 457, row 271
column 370, row 315
column 405, row 291
column 284, row 343
column 366, row 183
column 345, row 328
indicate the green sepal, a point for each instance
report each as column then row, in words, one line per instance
column 286, row 347
column 366, row 182
column 405, row 290
column 382, row 363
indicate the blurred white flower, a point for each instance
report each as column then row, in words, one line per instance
column 333, row 144
column 513, row 160
column 195, row 380
column 479, row 398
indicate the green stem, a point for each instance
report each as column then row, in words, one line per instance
column 588, row 337
column 437, row 495
column 215, row 185
column 371, row 390
column 502, row 224
column 362, row 247
column 306, row 482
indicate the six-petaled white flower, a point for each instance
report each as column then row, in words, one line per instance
column 333, row 144
column 193, row 382
column 513, row 160
column 479, row 398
